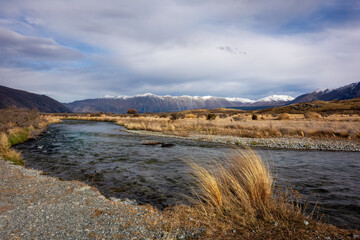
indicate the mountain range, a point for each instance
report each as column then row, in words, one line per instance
column 154, row 103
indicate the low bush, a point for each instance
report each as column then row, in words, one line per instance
column 176, row 115
column 211, row 116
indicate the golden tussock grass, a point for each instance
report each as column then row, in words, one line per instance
column 7, row 153
column 243, row 126
column 241, row 190
column 312, row 115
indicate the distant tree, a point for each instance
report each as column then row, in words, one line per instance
column 132, row 111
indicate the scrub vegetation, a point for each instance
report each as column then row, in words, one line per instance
column 18, row 125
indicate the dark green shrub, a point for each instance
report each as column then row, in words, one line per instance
column 211, row 116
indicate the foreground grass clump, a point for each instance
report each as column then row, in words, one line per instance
column 7, row 153
column 239, row 193
column 242, row 188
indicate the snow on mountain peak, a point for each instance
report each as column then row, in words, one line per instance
column 276, row 98
column 273, row 98
column 242, row 100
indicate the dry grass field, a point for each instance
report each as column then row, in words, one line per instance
column 329, row 120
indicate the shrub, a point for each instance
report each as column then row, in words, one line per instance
column 132, row 111
column 163, row 115
column 254, row 117
column 176, row 115
column 211, row 116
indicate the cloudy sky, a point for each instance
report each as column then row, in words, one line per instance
column 72, row 50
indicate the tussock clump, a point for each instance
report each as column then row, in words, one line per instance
column 190, row 115
column 7, row 153
column 312, row 115
column 284, row 116
column 240, row 190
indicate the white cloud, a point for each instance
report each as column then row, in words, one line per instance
column 223, row 48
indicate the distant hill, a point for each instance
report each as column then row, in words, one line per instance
column 348, row 106
column 346, row 92
column 10, row 97
column 153, row 103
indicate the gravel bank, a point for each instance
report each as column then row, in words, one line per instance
column 35, row 206
column 275, row 143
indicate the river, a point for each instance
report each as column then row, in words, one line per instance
column 119, row 164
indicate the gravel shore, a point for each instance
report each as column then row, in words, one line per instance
column 35, row 206
column 272, row 143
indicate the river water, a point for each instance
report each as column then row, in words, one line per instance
column 120, row 165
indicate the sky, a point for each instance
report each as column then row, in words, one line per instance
column 72, row 50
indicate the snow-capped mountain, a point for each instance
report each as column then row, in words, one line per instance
column 153, row 103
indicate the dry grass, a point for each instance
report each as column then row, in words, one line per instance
column 7, row 153
column 284, row 116
column 312, row 115
column 17, row 126
column 241, row 190
column 344, row 127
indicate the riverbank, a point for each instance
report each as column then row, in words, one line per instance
column 36, row 206
column 332, row 133
column 271, row 143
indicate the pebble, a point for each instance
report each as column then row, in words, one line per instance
column 306, row 222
